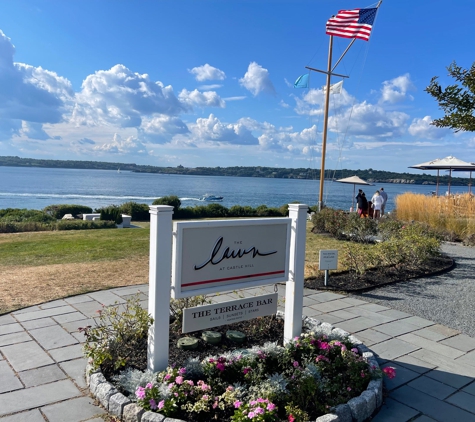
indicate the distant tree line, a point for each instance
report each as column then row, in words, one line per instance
column 370, row 175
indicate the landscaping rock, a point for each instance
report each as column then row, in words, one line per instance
column 340, row 332
column 152, row 417
column 343, row 412
column 132, row 413
column 326, row 328
column 104, row 392
column 370, row 397
column 377, row 387
column 117, row 402
column 358, row 408
column 95, row 380
column 328, row 418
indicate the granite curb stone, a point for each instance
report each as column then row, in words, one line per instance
column 356, row 410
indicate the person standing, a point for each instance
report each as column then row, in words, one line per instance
column 383, row 195
column 377, row 202
column 359, row 201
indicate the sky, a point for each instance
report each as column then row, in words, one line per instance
column 208, row 83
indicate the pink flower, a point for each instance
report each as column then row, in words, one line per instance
column 149, row 385
column 205, row 397
column 153, row 404
column 258, row 410
column 251, row 415
column 237, row 404
column 161, row 404
column 291, row 418
column 190, row 382
column 182, row 371
column 362, row 374
column 140, row 393
column 270, row 407
column 179, row 380
column 296, row 364
column 390, row 372
column 246, row 370
column 354, row 350
column 348, row 388
column 167, row 377
column 220, row 366
column 215, row 405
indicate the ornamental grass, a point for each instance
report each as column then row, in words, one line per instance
column 453, row 215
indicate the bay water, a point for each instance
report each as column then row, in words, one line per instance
column 35, row 188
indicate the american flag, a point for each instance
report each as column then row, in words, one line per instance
column 356, row 23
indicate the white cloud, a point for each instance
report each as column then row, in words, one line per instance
column 257, row 80
column 395, row 90
column 161, row 129
column 201, row 99
column 238, row 98
column 28, row 93
column 122, row 146
column 422, row 128
column 286, row 139
column 207, row 73
column 211, row 129
column 121, row 97
column 370, row 121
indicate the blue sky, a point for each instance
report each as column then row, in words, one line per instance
column 210, row 82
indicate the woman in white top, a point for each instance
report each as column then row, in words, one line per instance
column 377, row 201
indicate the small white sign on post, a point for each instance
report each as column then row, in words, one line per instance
column 208, row 316
column 328, row 259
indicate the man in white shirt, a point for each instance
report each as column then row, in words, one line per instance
column 384, row 195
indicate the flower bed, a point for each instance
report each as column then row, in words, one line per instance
column 323, row 375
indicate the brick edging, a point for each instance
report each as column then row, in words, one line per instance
column 358, row 409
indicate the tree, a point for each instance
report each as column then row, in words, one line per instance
column 457, row 101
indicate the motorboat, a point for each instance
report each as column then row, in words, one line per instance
column 211, row 198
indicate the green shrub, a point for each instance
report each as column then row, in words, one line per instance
column 112, row 213
column 178, row 305
column 16, row 215
column 389, row 227
column 171, row 200
column 138, row 212
column 357, row 258
column 361, row 230
column 28, row 226
column 59, row 211
column 118, row 338
column 240, row 211
column 264, row 211
column 84, row 225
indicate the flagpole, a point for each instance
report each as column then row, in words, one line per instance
column 325, row 124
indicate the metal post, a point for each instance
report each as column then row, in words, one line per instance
column 294, row 286
column 159, row 286
column 326, row 277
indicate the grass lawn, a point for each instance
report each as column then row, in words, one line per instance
column 37, row 267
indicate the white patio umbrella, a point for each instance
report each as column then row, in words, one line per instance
column 448, row 163
column 354, row 180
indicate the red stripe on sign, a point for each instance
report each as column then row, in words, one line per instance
column 231, row 278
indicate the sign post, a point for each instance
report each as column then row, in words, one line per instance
column 205, row 257
column 294, row 285
column 159, row 286
column 328, row 260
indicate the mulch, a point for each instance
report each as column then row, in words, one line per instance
column 348, row 282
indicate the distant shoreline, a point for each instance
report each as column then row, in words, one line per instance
column 370, row 175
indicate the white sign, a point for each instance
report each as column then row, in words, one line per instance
column 202, row 317
column 328, row 259
column 217, row 256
